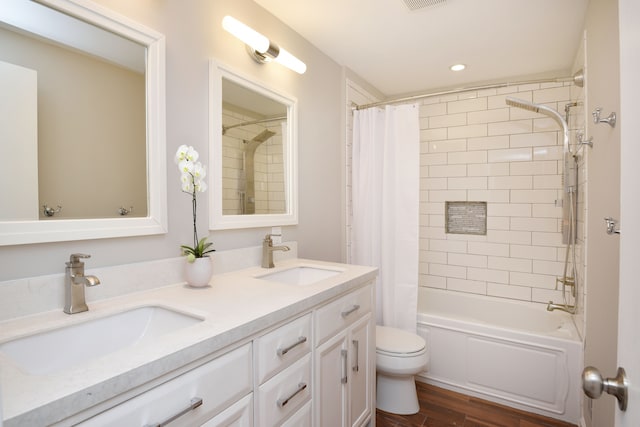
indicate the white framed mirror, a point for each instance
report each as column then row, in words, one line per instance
column 95, row 155
column 253, row 150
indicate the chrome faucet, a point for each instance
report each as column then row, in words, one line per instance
column 267, row 251
column 75, row 281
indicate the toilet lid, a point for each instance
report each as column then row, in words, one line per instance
column 393, row 340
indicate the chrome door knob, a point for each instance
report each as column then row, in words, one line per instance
column 593, row 385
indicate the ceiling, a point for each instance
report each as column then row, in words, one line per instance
column 400, row 51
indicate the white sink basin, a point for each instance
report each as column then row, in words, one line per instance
column 52, row 351
column 301, row 276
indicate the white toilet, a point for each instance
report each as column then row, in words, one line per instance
column 399, row 356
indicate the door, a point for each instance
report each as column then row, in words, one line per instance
column 19, row 142
column 629, row 314
column 330, row 379
column 360, row 375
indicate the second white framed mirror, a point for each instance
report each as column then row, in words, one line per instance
column 253, row 150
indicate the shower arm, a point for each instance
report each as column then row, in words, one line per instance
column 253, row 122
column 550, row 112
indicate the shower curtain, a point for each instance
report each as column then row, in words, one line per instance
column 385, row 202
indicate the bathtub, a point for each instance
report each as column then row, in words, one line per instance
column 510, row 352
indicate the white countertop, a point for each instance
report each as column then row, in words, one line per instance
column 235, row 307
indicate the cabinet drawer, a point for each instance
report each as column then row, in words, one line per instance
column 281, row 347
column 219, row 383
column 240, row 414
column 302, row 418
column 283, row 394
column 341, row 313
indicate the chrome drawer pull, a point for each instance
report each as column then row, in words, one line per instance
column 195, row 402
column 343, row 353
column 351, row 310
column 282, row 351
column 282, row 402
column 356, row 344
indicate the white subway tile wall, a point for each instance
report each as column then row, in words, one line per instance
column 476, row 148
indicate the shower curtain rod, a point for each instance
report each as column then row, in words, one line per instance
column 253, row 122
column 462, row 89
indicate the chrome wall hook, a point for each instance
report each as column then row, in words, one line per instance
column 610, row 119
column 124, row 211
column 611, row 225
column 49, row 211
column 582, row 141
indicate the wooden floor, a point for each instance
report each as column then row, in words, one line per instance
column 439, row 407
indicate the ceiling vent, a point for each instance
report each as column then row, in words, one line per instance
column 419, row 4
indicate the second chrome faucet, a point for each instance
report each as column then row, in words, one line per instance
column 267, row 251
column 75, row 281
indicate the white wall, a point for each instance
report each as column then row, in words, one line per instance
column 193, row 36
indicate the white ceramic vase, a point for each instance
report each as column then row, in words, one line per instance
column 199, row 272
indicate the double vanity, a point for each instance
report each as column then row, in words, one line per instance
column 292, row 345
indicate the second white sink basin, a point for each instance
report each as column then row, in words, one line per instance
column 52, row 351
column 301, row 275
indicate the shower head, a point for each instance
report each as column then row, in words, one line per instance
column 262, row 136
column 521, row 103
column 537, row 108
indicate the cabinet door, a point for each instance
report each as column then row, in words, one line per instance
column 361, row 371
column 331, row 377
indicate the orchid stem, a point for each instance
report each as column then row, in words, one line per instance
column 194, row 204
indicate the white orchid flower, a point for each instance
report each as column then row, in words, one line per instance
column 181, row 154
column 192, row 174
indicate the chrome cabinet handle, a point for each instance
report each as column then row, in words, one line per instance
column 282, row 402
column 282, row 351
column 351, row 310
column 195, row 402
column 356, row 367
column 343, row 353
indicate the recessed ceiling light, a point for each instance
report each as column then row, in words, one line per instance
column 457, row 67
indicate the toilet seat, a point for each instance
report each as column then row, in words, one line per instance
column 398, row 343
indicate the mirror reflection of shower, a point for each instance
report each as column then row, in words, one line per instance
column 253, row 173
column 569, row 280
column 249, row 170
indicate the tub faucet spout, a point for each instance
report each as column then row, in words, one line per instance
column 562, row 307
column 75, row 282
column 267, row 251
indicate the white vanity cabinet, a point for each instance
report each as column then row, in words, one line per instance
column 303, row 360
column 345, row 361
column 192, row 399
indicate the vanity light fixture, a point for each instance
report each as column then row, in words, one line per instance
column 457, row 67
column 260, row 48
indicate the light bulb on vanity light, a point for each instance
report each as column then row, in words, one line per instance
column 288, row 60
column 246, row 34
column 260, row 48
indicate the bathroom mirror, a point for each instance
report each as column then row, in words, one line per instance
column 253, row 153
column 92, row 134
